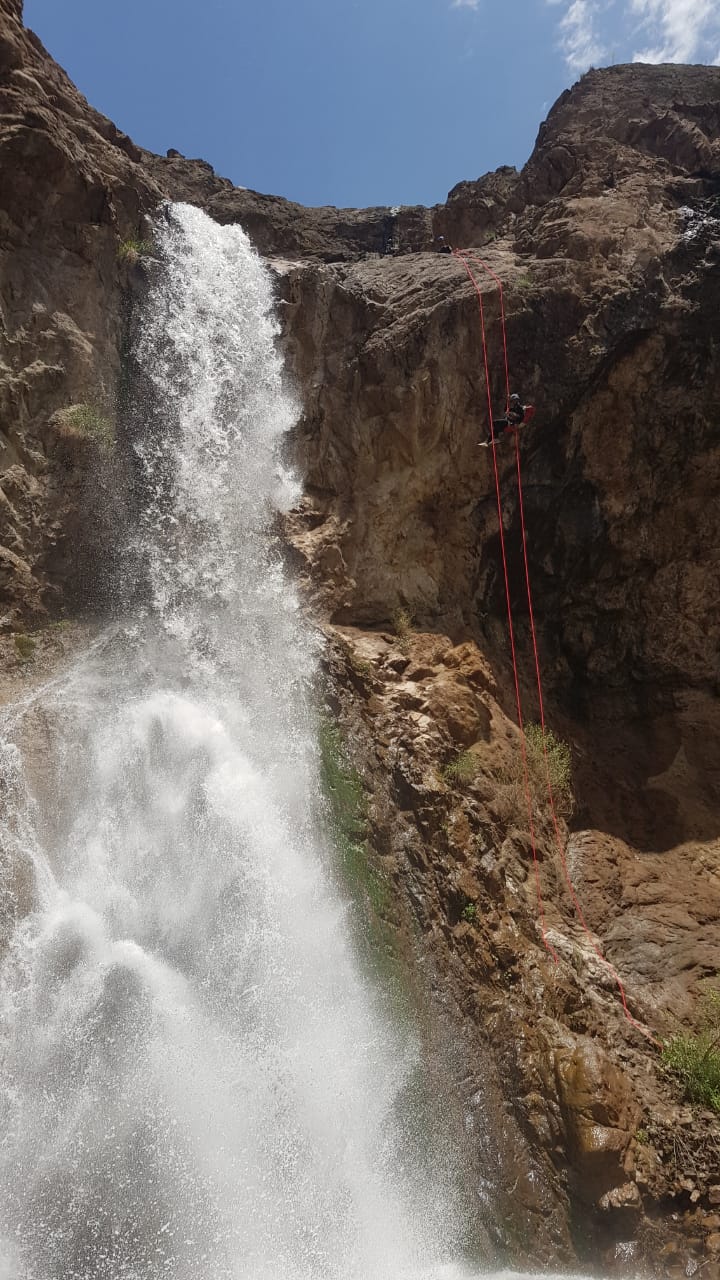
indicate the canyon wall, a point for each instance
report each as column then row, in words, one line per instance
column 608, row 244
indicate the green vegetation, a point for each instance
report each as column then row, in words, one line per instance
column 695, row 1059
column 347, row 800
column 553, row 761
column 523, row 282
column 402, row 621
column 469, row 913
column 89, row 421
column 25, row 647
column 133, row 249
column 374, row 922
column 462, row 769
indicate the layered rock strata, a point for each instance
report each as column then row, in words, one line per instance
column 608, row 242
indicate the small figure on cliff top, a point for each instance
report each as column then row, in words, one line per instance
column 517, row 415
column 442, row 245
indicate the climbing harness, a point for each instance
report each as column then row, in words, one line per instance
column 467, row 257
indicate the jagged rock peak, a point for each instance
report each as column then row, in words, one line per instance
column 14, row 8
column 623, row 94
column 666, row 113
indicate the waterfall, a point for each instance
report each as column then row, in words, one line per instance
column 197, row 1079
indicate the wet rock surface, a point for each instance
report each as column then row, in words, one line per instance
column 72, row 191
column 620, row 1169
column 608, row 243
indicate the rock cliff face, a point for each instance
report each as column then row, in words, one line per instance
column 72, row 190
column 608, row 243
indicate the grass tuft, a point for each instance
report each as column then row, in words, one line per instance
column 694, row 1060
column 132, row 250
column 402, row 622
column 25, row 647
column 462, row 769
column 557, row 767
column 91, row 423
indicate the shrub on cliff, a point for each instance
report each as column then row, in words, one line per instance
column 25, row 647
column 402, row 622
column 88, row 422
column 132, row 250
column 463, row 769
column 549, row 759
column 694, row 1060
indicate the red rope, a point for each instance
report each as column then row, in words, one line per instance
column 463, row 255
column 526, row 774
column 556, row 826
column 476, row 258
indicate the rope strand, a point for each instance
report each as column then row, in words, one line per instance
column 465, row 256
column 526, row 773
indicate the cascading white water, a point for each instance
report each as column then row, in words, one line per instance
column 197, row 1080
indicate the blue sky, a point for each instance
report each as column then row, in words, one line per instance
column 353, row 102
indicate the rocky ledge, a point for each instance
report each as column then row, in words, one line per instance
column 608, row 243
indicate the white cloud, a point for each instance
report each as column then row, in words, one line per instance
column 637, row 30
column 679, row 28
column 465, row 4
column 579, row 39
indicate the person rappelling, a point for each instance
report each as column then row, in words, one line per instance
column 517, row 415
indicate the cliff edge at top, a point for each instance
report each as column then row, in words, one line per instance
column 608, row 244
